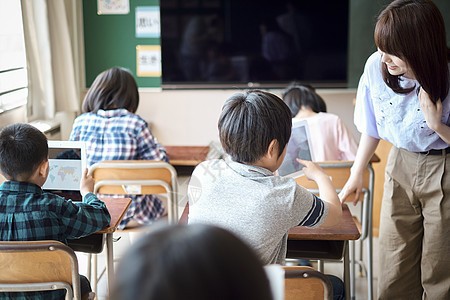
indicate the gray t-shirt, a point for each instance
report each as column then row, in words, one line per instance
column 251, row 202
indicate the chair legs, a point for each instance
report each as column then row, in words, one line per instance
column 94, row 281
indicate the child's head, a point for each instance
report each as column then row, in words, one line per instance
column 414, row 31
column 297, row 95
column 250, row 121
column 194, row 261
column 23, row 148
column 112, row 89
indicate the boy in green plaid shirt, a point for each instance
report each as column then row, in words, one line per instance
column 27, row 213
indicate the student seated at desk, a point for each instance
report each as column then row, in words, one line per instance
column 112, row 131
column 243, row 195
column 29, row 214
column 190, row 262
column 332, row 140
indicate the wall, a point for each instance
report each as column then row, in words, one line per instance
column 16, row 115
column 189, row 117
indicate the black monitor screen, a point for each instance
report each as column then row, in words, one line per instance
column 261, row 41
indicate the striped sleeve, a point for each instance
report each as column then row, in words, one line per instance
column 315, row 213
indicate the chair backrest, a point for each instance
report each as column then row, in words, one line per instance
column 339, row 172
column 38, row 266
column 306, row 283
column 137, row 177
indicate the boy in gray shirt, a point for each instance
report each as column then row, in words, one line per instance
column 242, row 194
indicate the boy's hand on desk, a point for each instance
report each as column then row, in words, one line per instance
column 87, row 183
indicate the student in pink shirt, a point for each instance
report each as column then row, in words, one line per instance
column 331, row 139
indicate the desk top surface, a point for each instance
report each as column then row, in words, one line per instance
column 117, row 208
column 186, row 155
column 346, row 230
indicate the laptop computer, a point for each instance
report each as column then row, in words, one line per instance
column 67, row 161
column 299, row 146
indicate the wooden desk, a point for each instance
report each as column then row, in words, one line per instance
column 186, row 155
column 117, row 208
column 325, row 243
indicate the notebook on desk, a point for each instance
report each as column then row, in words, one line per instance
column 67, row 161
column 299, row 146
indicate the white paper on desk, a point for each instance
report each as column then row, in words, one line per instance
column 132, row 189
column 275, row 274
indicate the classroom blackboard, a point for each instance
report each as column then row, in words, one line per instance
column 363, row 17
column 110, row 41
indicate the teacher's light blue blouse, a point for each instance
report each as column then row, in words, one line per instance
column 396, row 118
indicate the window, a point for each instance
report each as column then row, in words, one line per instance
column 13, row 65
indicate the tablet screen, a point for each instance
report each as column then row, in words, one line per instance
column 67, row 161
column 299, row 146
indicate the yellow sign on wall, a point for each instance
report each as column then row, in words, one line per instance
column 148, row 62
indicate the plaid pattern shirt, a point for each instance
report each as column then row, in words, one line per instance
column 29, row 214
column 120, row 135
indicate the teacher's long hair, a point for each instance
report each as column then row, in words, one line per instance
column 414, row 31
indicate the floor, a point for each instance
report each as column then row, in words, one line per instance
column 126, row 239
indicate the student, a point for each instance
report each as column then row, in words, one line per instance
column 28, row 214
column 332, row 139
column 403, row 97
column 191, row 262
column 242, row 194
column 112, row 131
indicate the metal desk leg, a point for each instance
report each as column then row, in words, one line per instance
column 346, row 271
column 320, row 266
column 352, row 250
column 109, row 260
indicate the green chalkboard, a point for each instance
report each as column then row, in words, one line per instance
column 110, row 41
column 363, row 16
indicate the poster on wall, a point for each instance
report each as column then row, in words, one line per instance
column 148, row 61
column 113, row 7
column 148, row 22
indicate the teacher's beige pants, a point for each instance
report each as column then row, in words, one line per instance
column 415, row 227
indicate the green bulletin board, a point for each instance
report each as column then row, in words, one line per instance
column 110, row 41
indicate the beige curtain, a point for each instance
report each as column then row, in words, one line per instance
column 52, row 41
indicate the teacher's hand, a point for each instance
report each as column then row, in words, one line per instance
column 432, row 112
column 353, row 185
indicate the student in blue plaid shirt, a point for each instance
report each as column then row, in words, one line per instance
column 112, row 131
column 27, row 213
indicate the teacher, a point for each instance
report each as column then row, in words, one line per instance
column 403, row 98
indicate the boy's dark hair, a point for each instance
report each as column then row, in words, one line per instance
column 297, row 95
column 23, row 148
column 113, row 88
column 250, row 121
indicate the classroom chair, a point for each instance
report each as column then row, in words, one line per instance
column 305, row 283
column 339, row 172
column 39, row 266
column 134, row 177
